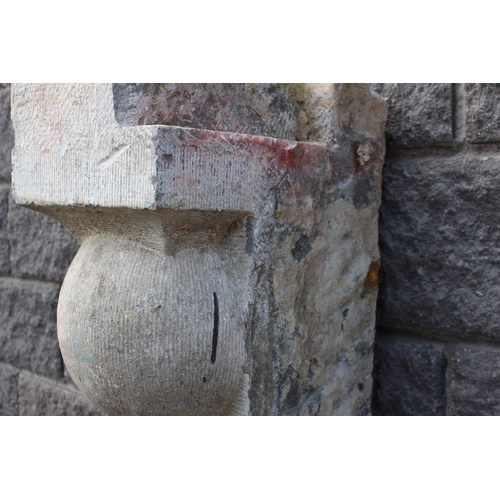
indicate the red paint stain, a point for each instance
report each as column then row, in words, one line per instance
column 288, row 154
column 301, row 163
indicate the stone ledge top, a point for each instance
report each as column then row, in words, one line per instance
column 70, row 151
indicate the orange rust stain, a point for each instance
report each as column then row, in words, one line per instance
column 371, row 280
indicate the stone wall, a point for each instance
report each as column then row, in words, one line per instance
column 438, row 342
column 437, row 349
column 35, row 252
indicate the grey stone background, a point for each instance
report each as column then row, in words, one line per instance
column 35, row 252
column 437, row 348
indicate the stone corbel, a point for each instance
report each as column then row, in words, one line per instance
column 219, row 273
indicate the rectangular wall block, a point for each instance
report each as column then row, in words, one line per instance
column 409, row 378
column 482, row 112
column 40, row 247
column 475, row 381
column 419, row 115
column 39, row 396
column 28, row 326
column 440, row 247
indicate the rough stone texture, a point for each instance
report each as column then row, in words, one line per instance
column 312, row 345
column 8, row 391
column 44, row 397
column 474, row 387
column 482, row 112
column 243, row 108
column 419, row 115
column 250, row 280
column 296, row 112
column 409, row 379
column 440, row 247
column 439, row 244
column 4, row 236
column 40, row 247
column 28, row 326
column 6, row 134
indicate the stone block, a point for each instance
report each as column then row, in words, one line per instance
column 39, row 396
column 28, row 326
column 419, row 115
column 408, row 379
column 474, row 387
column 220, row 272
column 4, row 236
column 8, row 390
column 40, row 247
column 6, row 135
column 482, row 112
column 440, row 247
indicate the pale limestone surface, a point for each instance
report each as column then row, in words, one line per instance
column 283, row 233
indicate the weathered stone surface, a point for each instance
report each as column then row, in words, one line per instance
column 312, row 347
column 419, row 115
column 6, row 135
column 408, row 378
column 43, row 397
column 475, row 381
column 8, row 390
column 4, row 236
column 248, row 283
column 440, row 248
column 28, row 326
column 40, row 247
column 258, row 109
column 482, row 112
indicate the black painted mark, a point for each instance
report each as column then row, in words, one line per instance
column 204, row 379
column 216, row 329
